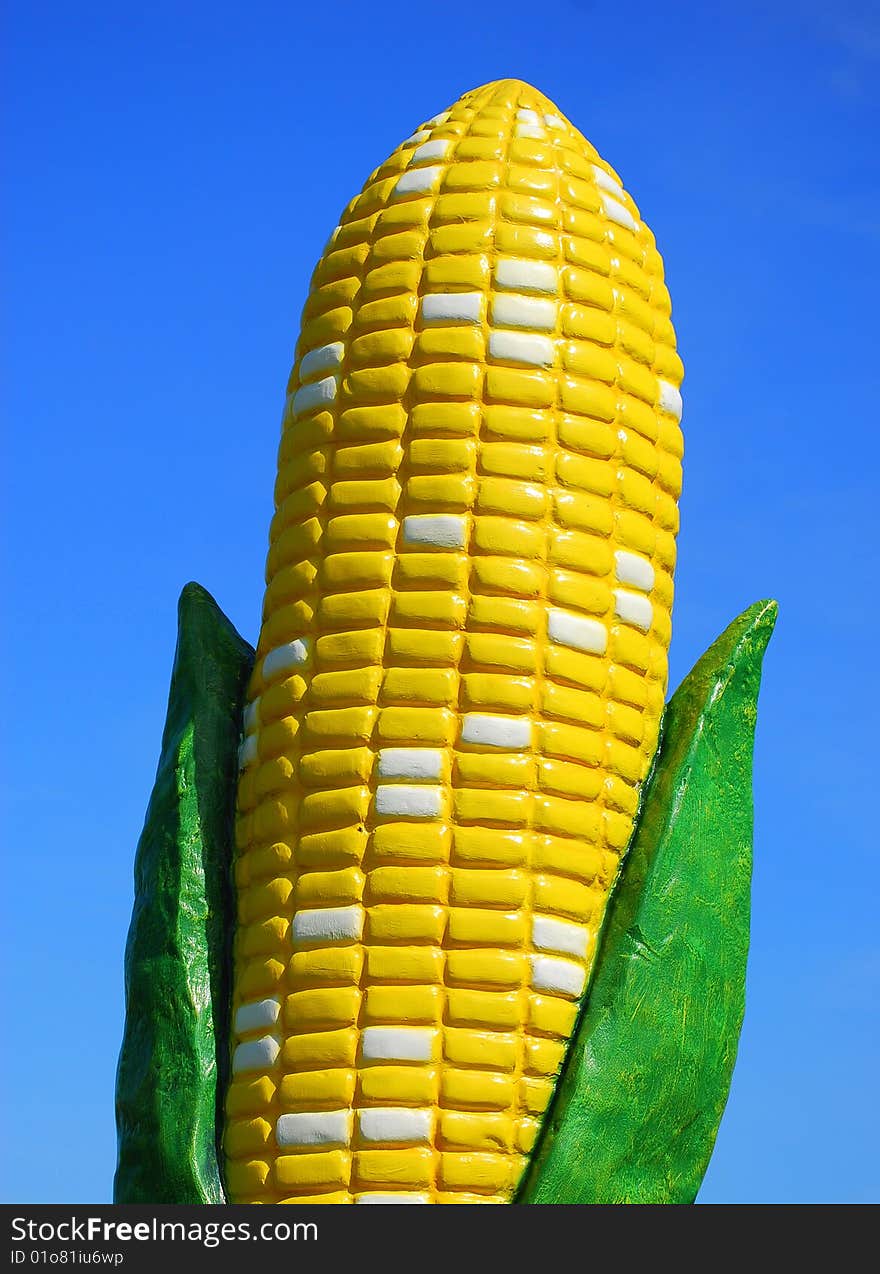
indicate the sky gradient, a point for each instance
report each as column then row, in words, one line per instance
column 173, row 172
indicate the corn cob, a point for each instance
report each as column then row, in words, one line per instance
column 462, row 663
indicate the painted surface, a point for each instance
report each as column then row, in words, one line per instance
column 462, row 664
column 646, row 1079
column 173, row 1062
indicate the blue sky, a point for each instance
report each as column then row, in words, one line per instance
column 173, row 171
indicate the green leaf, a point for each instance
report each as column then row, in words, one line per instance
column 646, row 1078
column 173, row 1061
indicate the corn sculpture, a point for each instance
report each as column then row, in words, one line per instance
column 451, row 714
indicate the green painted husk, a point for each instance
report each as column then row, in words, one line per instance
column 171, row 1076
column 647, row 1074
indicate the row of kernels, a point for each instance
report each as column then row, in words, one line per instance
column 652, row 483
column 426, row 725
column 397, row 1169
column 520, row 655
column 578, row 511
column 488, row 923
column 344, row 847
column 483, row 991
column 321, row 1173
column 465, row 1129
column 479, row 1071
column 634, row 403
column 629, row 695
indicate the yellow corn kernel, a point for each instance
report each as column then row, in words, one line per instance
column 327, row 1168
column 443, row 454
column 408, row 884
column 488, row 1131
column 551, row 1016
column 247, row 1179
column 432, row 570
column 490, row 968
column 566, row 897
column 579, row 592
column 409, row 1169
column 357, row 570
column 338, row 847
column 353, row 529
column 543, row 1057
column 334, row 964
column 569, row 779
column 419, row 685
column 571, row 743
column 488, row 845
column 258, row 977
column 519, row 389
column 423, row 646
column 410, row 923
column 411, row 1003
column 347, row 805
column 494, row 771
column 324, row 1007
column 453, row 491
column 471, row 1088
column 406, row 1085
column 479, row 804
column 473, row 927
column 404, row 964
column 411, row 842
column 246, row 1097
column 319, row 1049
column 457, row 418
column 504, row 612
column 336, row 766
column 515, row 653
column 416, row 725
column 477, row 1171
column 428, row 608
column 489, row 1050
column 504, row 536
column 505, row 889
column 499, row 1011
column 331, row 1089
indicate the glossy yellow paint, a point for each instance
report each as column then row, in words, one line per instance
column 462, row 663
